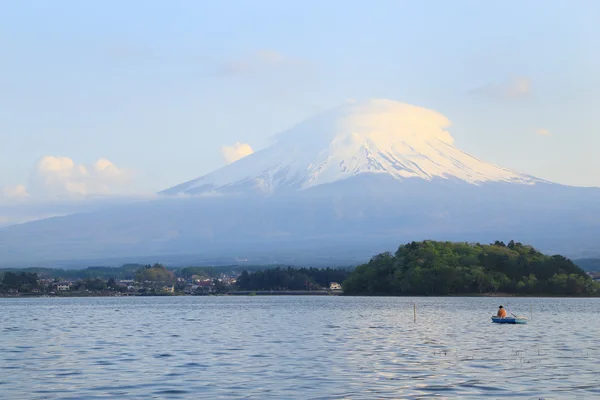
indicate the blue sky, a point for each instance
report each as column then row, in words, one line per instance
column 156, row 89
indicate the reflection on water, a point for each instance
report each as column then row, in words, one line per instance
column 297, row 348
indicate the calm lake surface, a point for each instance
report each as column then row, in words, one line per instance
column 297, row 348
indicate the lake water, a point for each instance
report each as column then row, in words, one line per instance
column 297, row 348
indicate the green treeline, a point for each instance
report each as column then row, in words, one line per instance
column 126, row 271
column 155, row 273
column 22, row 280
column 446, row 268
column 291, row 278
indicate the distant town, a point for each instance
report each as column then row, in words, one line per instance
column 158, row 280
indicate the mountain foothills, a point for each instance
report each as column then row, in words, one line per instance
column 339, row 187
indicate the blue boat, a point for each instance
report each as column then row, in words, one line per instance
column 509, row 320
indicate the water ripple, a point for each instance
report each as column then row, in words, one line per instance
column 296, row 348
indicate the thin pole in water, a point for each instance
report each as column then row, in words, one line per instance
column 415, row 311
column 530, row 311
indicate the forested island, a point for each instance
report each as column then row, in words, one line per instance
column 418, row 268
column 448, row 268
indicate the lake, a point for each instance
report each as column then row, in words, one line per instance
column 297, row 347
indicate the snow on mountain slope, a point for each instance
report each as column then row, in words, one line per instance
column 372, row 136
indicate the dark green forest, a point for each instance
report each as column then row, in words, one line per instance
column 128, row 271
column 447, row 268
column 291, row 278
column 19, row 280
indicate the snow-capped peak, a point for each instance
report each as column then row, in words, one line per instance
column 372, row 136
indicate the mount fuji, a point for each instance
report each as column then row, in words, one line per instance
column 336, row 188
column 382, row 137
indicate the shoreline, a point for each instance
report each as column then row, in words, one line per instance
column 285, row 293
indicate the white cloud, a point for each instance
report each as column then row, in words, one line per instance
column 61, row 176
column 262, row 60
column 382, row 115
column 515, row 88
column 543, row 132
column 236, row 152
column 15, row 192
column 381, row 120
column 60, row 186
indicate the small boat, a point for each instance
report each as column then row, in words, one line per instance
column 509, row 320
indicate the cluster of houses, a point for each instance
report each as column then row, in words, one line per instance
column 193, row 285
column 53, row 286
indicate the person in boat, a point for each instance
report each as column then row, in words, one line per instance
column 501, row 312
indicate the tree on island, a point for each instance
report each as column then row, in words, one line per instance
column 446, row 268
column 155, row 273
